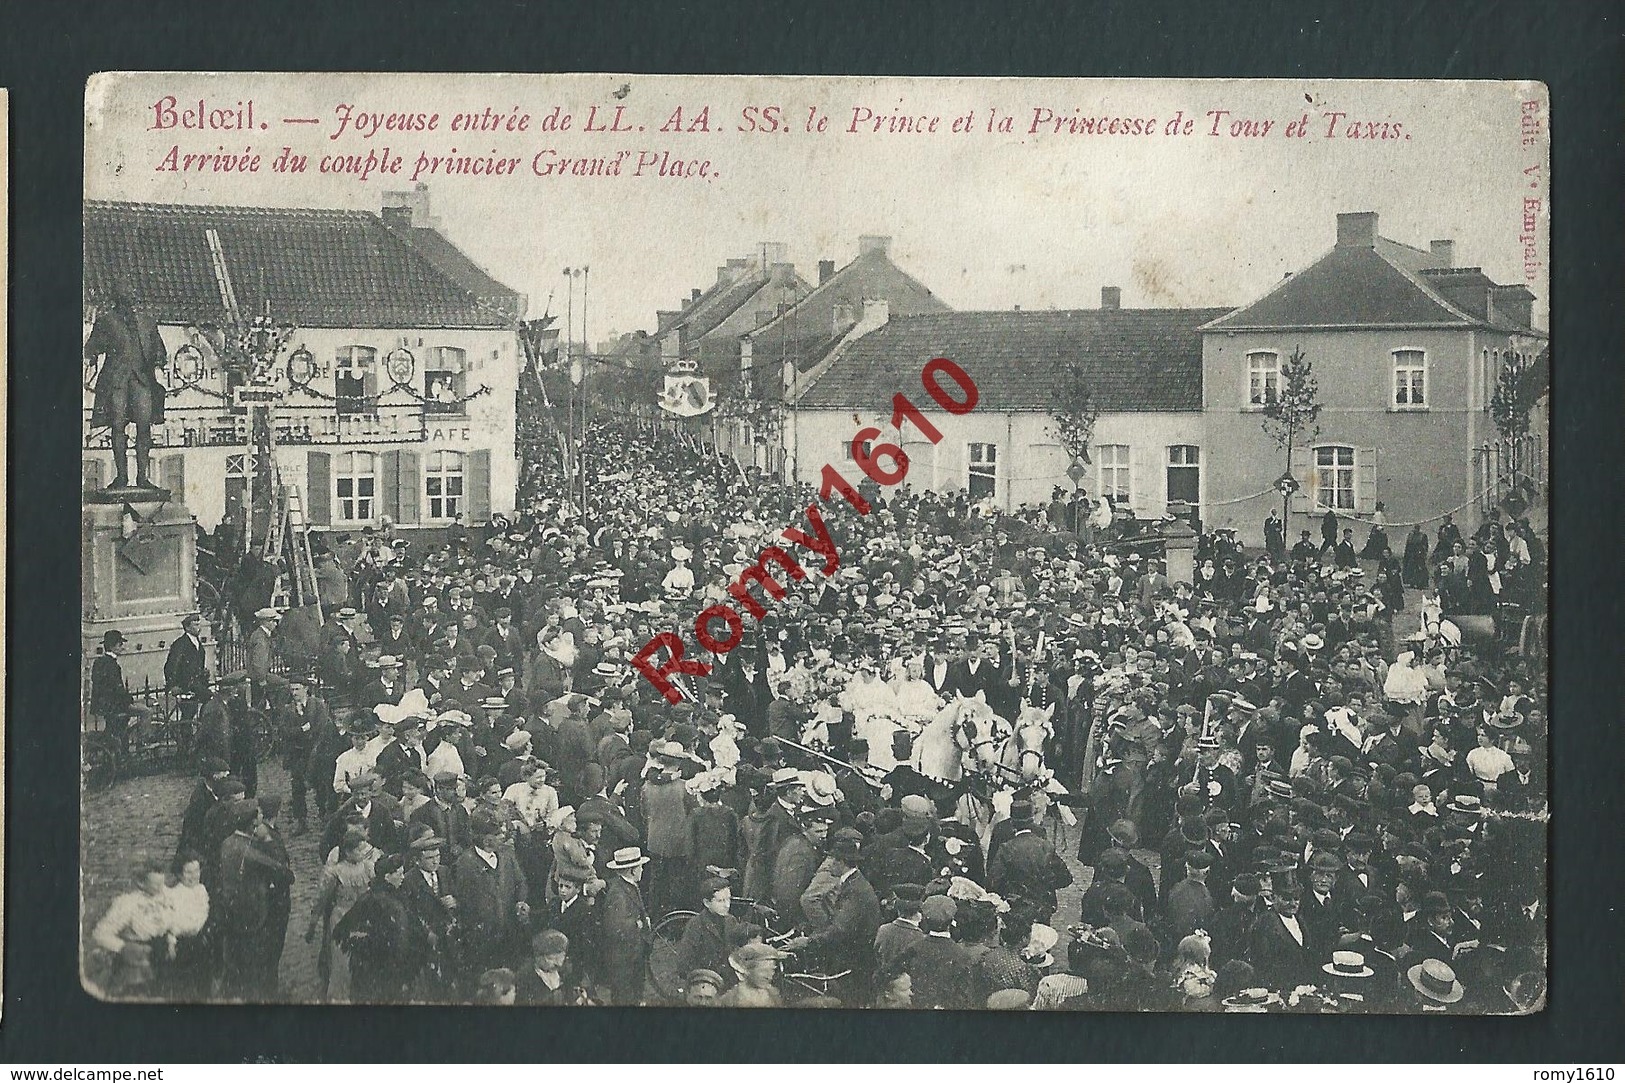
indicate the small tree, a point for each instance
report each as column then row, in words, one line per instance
column 1514, row 397
column 1292, row 410
column 1072, row 421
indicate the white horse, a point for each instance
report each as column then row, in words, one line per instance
column 1022, row 753
column 963, row 738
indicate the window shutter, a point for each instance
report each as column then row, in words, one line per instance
column 1365, row 480
column 409, row 488
column 479, row 488
column 369, row 384
column 94, row 475
column 1145, row 480
column 173, row 475
column 389, row 483
column 319, row 488
column 1303, row 469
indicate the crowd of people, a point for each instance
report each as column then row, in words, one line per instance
column 1271, row 798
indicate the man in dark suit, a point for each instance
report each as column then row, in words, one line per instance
column 1232, row 925
column 1028, row 867
column 110, row 698
column 396, row 641
column 575, row 752
column 204, row 797
column 1429, row 934
column 490, row 890
column 241, row 909
column 386, row 686
column 1279, row 951
column 939, row 967
column 745, row 691
column 300, row 722
column 1318, row 908
column 1190, row 903
column 186, row 671
column 939, row 661
column 327, row 741
column 225, row 732
column 503, row 637
column 427, row 894
column 377, row 811
column 403, row 754
column 575, row 914
column 625, row 928
column 976, row 672
column 841, row 924
column 607, row 810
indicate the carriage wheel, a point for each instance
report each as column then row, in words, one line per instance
column 663, row 971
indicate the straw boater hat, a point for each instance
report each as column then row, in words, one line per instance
column 1348, row 964
column 627, row 857
column 1252, row 1000
column 1436, row 981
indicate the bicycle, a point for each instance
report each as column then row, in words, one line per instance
column 664, row 973
column 668, row 980
column 156, row 737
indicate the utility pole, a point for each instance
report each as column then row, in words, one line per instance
column 586, row 355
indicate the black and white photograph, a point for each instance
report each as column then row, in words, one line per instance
column 812, row 542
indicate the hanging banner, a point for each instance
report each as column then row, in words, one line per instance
column 687, row 396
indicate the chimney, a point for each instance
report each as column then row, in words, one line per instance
column 1357, row 230
column 843, row 318
column 1514, row 303
column 826, row 270
column 773, row 252
column 694, row 294
column 1444, row 252
column 875, row 315
column 664, row 320
column 732, row 271
column 782, row 273
column 1111, row 298
column 409, row 208
column 873, row 244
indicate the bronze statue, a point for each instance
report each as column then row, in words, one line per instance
column 128, row 390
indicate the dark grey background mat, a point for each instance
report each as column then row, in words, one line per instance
column 48, row 50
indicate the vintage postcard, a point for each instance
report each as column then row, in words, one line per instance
column 783, row 542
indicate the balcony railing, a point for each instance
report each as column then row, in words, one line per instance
column 222, row 426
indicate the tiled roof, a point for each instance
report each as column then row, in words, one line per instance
column 716, row 304
column 1136, row 360
column 1352, row 286
column 907, row 292
column 316, row 268
column 453, row 262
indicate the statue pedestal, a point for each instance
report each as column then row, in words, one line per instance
column 1179, row 550
column 139, row 568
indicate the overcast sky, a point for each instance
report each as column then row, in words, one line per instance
column 985, row 220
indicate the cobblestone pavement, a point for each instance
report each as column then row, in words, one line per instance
column 140, row 818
